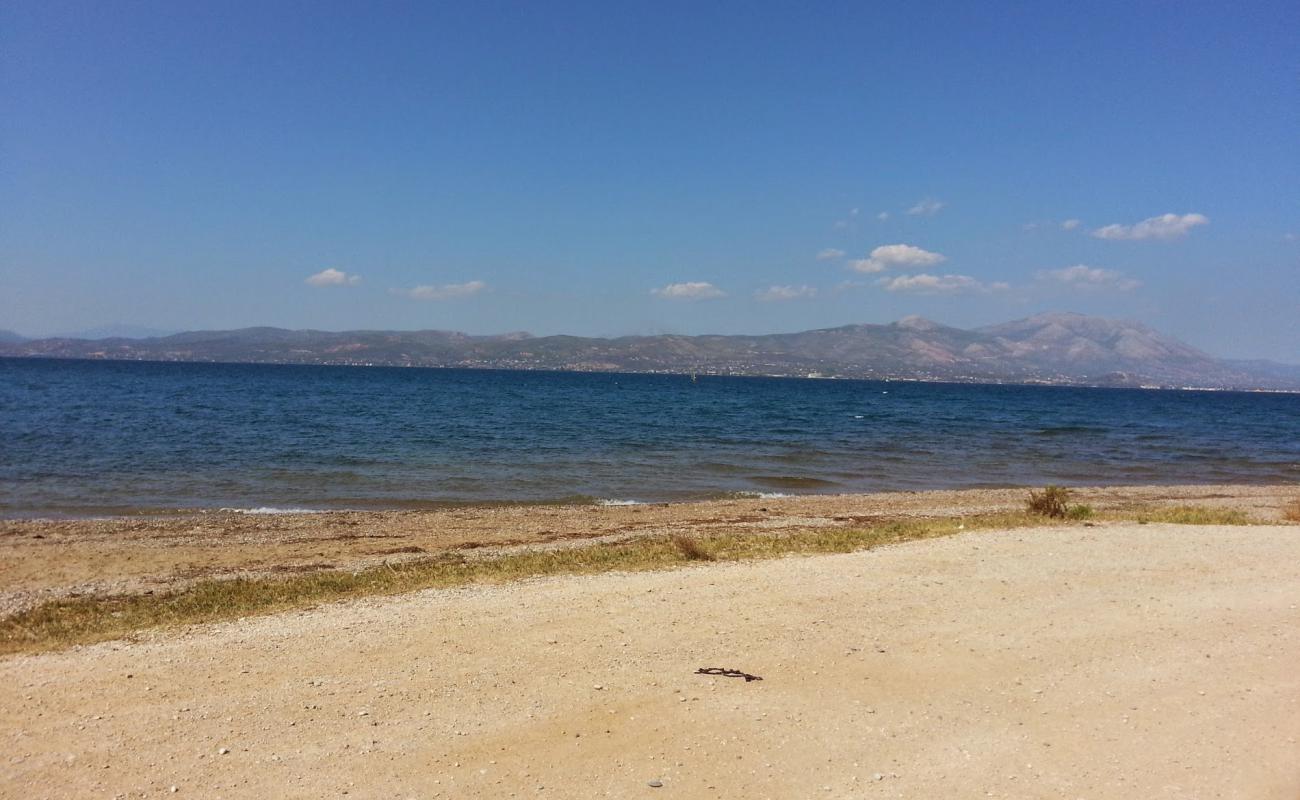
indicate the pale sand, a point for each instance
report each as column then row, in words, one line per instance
column 42, row 560
column 1120, row 661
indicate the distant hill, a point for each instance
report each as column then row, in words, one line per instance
column 1057, row 348
column 115, row 332
column 9, row 337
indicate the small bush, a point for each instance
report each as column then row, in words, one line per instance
column 1291, row 512
column 690, row 548
column 1078, row 512
column 1051, row 502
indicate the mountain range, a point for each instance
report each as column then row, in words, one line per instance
column 1055, row 348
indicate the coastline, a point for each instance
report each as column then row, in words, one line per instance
column 51, row 559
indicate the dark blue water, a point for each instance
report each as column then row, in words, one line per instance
column 80, row 437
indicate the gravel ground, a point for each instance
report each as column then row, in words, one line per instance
column 1120, row 661
column 47, row 559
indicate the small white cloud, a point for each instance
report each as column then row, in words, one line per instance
column 897, row 255
column 332, row 277
column 446, row 291
column 882, row 216
column 830, row 254
column 936, row 284
column 691, row 290
column 774, row 294
column 926, row 208
column 1029, row 226
column 1082, row 276
column 1071, row 224
column 1289, row 237
column 1165, row 226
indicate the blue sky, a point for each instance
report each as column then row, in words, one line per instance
column 612, row 168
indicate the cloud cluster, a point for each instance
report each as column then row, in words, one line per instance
column 938, row 284
column 690, row 290
column 332, row 277
column 1165, row 226
column 446, row 291
column 926, row 208
column 1071, row 224
column 774, row 294
column 897, row 255
column 1082, row 276
column 830, row 254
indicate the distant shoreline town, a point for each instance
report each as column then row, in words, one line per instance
column 1057, row 349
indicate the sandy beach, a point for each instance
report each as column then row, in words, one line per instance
column 1079, row 662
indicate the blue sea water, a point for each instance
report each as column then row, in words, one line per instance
column 89, row 438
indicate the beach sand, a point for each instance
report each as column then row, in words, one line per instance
column 1117, row 661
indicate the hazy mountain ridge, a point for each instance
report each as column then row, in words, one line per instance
column 1047, row 348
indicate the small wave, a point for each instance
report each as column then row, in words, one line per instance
column 765, row 495
column 791, row 481
column 617, row 502
column 272, row 510
column 1065, row 430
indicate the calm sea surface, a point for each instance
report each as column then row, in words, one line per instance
column 86, row 438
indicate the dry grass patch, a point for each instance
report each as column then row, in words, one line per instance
column 1193, row 515
column 63, row 623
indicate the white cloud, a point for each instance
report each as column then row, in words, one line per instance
column 882, row 216
column 1165, row 226
column 332, row 277
column 446, row 291
column 691, row 290
column 937, row 284
column 1071, row 224
column 830, row 254
column 926, row 208
column 897, row 255
column 778, row 293
column 1084, row 277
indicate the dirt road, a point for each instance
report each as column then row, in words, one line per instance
column 1121, row 661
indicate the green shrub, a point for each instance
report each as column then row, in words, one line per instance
column 1078, row 512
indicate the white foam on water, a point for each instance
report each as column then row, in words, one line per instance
column 765, row 495
column 273, row 510
column 615, row 502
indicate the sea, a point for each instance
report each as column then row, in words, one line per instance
column 99, row 438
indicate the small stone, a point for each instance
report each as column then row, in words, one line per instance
column 173, row 790
column 598, row 687
column 223, row 751
column 877, row 777
column 656, row 783
column 363, row 713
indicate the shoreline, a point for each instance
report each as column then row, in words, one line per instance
column 379, row 508
column 51, row 559
column 797, row 376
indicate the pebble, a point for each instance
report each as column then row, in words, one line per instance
column 223, row 751
column 656, row 783
column 878, row 777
